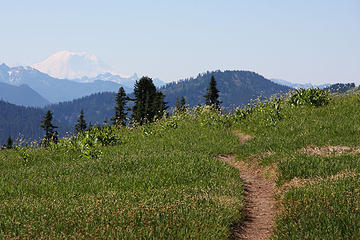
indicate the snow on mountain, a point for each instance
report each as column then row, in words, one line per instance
column 72, row 65
column 54, row 89
column 298, row 85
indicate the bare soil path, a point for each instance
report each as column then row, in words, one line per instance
column 260, row 202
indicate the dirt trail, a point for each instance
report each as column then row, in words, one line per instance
column 260, row 203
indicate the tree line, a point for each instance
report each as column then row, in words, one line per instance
column 149, row 105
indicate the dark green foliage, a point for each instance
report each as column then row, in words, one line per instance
column 149, row 103
column 50, row 134
column 236, row 88
column 177, row 104
column 182, row 102
column 180, row 105
column 81, row 124
column 311, row 96
column 9, row 143
column 120, row 114
column 97, row 106
column 22, row 123
column 212, row 94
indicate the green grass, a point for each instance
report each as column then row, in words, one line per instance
column 327, row 209
column 162, row 182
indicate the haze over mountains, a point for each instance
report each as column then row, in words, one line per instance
column 72, row 75
column 95, row 92
column 72, row 65
column 298, row 85
column 83, row 67
column 237, row 88
column 17, row 95
column 53, row 89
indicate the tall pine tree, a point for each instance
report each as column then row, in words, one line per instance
column 212, row 95
column 81, row 124
column 9, row 143
column 120, row 114
column 182, row 104
column 149, row 103
column 50, row 134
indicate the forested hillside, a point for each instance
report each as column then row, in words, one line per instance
column 23, row 122
column 236, row 88
column 340, row 87
column 97, row 108
column 21, row 95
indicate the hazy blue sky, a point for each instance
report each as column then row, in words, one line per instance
column 296, row 40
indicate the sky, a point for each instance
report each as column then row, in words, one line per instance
column 301, row 41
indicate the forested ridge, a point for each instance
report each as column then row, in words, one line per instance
column 236, row 88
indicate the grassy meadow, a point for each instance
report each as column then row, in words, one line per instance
column 157, row 181
column 163, row 180
column 315, row 154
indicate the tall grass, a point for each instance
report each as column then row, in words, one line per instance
column 157, row 181
column 321, row 209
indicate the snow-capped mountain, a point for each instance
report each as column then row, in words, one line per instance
column 125, row 81
column 299, row 85
column 85, row 68
column 54, row 89
column 72, row 65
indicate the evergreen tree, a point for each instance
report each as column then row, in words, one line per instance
column 50, row 134
column 177, row 104
column 81, row 124
column 149, row 103
column 120, row 115
column 212, row 95
column 182, row 104
column 9, row 143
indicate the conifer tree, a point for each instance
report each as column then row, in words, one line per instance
column 81, row 124
column 182, row 104
column 50, row 134
column 212, row 95
column 120, row 114
column 9, row 143
column 177, row 104
column 149, row 103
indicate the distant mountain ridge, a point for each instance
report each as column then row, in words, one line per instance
column 298, row 85
column 53, row 89
column 237, row 88
column 72, row 65
column 24, row 122
column 21, row 95
column 83, row 67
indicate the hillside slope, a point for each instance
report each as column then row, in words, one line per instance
column 97, row 108
column 54, row 89
column 24, row 122
column 312, row 153
column 236, row 88
column 21, row 95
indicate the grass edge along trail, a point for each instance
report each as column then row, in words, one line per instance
column 156, row 181
column 322, row 200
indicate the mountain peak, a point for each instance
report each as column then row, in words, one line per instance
column 72, row 65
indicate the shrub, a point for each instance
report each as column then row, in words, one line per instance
column 312, row 96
